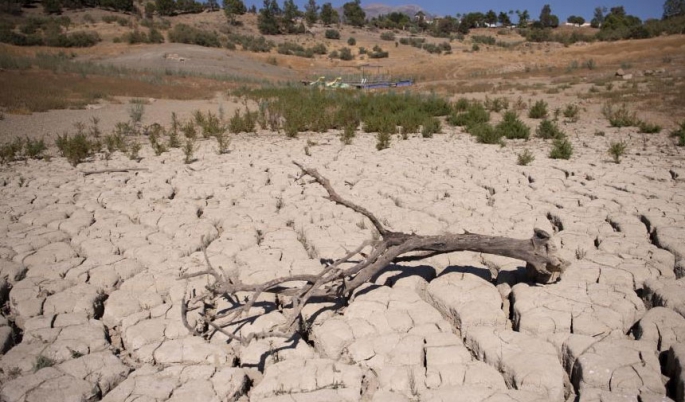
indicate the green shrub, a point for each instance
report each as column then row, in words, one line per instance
column 351, row 41
column 332, row 34
column 475, row 114
column 388, row 35
column 382, row 141
column 572, row 112
column 461, row 105
column 182, row 33
column 619, row 117
column 561, row 149
column 475, row 47
column 430, row 126
column 34, row 148
column 189, row 150
column 76, row 149
column 346, row 54
column 549, row 130
column 486, row 134
column 525, row 158
column 10, row 151
column 538, row 110
column 617, row 150
column 155, row 36
column 135, row 37
column 378, row 53
column 348, row 134
column 649, row 128
column 115, row 142
column 511, row 127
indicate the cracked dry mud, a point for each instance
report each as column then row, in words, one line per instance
column 90, row 270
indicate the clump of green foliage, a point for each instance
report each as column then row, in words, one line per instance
column 76, row 148
column 485, row 133
column 525, row 158
column 43, row 362
column 22, row 149
column 511, row 127
column 549, row 130
column 430, row 126
column 617, row 149
column 496, row 104
column 572, row 112
column 475, row 114
column 538, row 110
column 561, row 149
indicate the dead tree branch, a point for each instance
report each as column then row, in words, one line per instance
column 341, row 278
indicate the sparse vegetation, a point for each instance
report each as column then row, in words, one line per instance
column 561, row 149
column 549, row 130
column 649, row 128
column 525, row 158
column 679, row 134
column 511, row 127
column 538, row 110
column 617, row 149
column 572, row 112
column 619, row 117
column 42, row 362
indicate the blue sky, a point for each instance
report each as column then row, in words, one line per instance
column 641, row 8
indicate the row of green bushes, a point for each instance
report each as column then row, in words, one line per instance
column 46, row 32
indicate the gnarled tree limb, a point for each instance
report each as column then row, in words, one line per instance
column 543, row 265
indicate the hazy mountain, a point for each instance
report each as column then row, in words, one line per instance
column 376, row 9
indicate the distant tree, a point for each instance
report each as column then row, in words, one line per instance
column 470, row 21
column 212, row 5
column 329, row 15
column 491, row 17
column 232, row 8
column 290, row 13
column 445, row 26
column 524, row 17
column 253, row 9
column 504, row 19
column 598, row 17
column 165, row 7
column 617, row 19
column 574, row 19
column 674, row 8
column 149, row 10
column 354, row 14
column 547, row 19
column 267, row 22
column 311, row 12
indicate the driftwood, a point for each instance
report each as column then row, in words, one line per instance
column 122, row 170
column 340, row 278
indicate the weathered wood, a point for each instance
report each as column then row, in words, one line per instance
column 543, row 265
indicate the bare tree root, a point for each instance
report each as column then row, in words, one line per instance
column 339, row 279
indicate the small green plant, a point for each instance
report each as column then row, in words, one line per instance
column 539, row 110
column 189, row 130
column 590, row 64
column 496, row 104
column 572, row 112
column 548, row 130
column 649, row 128
column 617, row 149
column 351, row 41
column 76, row 149
column 223, row 140
column 348, row 134
column 430, row 126
column 525, row 158
column 382, row 140
column 485, row 133
column 155, row 133
column 475, row 47
column 561, row 149
column 511, row 127
column 136, row 111
column 34, row 148
column 9, row 152
column 42, row 362
column 189, row 150
column 474, row 115
column 600, row 133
